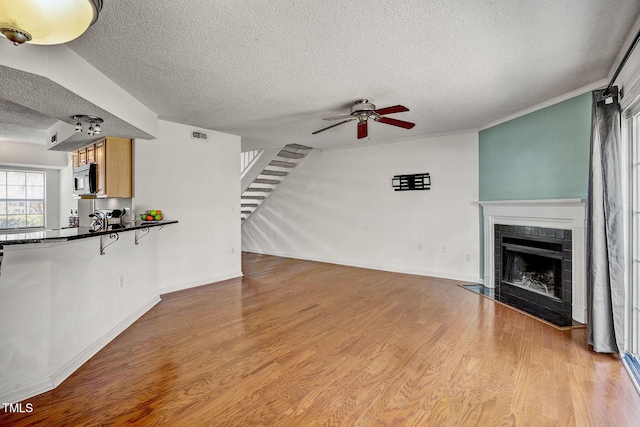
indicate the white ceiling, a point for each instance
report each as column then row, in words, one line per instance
column 270, row 70
column 22, row 124
column 31, row 104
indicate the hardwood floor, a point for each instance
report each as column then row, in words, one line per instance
column 299, row 343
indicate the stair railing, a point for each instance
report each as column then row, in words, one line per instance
column 247, row 158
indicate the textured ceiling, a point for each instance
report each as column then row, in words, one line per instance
column 19, row 123
column 31, row 104
column 270, row 70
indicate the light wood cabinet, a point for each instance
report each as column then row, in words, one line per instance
column 113, row 159
column 75, row 160
column 91, row 156
column 100, row 168
column 82, row 156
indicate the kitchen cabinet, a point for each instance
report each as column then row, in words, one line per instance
column 76, row 161
column 82, row 156
column 113, row 159
column 91, row 157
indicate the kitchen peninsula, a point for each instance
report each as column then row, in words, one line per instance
column 65, row 294
column 74, row 233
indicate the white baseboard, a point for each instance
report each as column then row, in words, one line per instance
column 439, row 275
column 71, row 366
column 26, row 391
column 197, row 283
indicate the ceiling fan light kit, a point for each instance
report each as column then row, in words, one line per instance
column 47, row 22
column 362, row 110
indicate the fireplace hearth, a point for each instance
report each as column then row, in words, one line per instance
column 533, row 271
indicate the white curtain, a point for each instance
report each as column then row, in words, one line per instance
column 605, row 306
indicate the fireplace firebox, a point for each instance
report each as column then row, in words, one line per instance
column 533, row 271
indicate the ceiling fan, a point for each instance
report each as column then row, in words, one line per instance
column 362, row 110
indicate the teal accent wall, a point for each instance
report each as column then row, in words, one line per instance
column 542, row 155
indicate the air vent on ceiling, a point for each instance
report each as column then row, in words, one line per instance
column 198, row 135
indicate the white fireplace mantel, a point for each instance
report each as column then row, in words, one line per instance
column 565, row 214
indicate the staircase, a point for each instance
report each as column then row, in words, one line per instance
column 268, row 179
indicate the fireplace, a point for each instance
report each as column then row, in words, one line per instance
column 561, row 215
column 533, row 271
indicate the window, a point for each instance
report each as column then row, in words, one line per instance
column 635, row 227
column 22, row 200
column 632, row 182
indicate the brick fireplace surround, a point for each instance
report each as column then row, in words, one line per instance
column 564, row 214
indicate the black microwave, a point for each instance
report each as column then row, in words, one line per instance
column 85, row 180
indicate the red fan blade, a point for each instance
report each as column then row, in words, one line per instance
column 396, row 122
column 362, row 130
column 391, row 110
column 332, row 126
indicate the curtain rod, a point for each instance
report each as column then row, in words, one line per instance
column 607, row 91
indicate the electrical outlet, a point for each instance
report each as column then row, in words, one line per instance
column 122, row 281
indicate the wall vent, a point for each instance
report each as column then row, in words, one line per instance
column 198, row 135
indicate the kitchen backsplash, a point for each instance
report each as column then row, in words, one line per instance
column 88, row 206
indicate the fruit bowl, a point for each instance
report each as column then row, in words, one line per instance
column 152, row 215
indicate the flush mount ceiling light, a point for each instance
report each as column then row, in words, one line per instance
column 94, row 123
column 47, row 22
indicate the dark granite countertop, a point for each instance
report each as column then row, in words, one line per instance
column 65, row 234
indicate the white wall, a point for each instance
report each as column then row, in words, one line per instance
column 60, row 303
column 338, row 206
column 89, row 304
column 196, row 182
column 25, row 314
column 66, row 197
column 27, row 154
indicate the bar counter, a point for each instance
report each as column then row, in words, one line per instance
column 64, row 294
column 64, row 234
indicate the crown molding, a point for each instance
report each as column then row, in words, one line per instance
column 593, row 86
